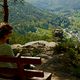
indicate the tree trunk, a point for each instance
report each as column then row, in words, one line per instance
column 5, row 13
column 5, row 9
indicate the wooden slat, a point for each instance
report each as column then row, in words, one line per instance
column 23, row 60
column 27, row 73
column 30, row 60
column 8, row 70
column 8, row 59
column 32, row 73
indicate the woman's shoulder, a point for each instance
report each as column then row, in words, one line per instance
column 6, row 49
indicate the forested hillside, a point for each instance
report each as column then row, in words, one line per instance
column 25, row 18
column 69, row 9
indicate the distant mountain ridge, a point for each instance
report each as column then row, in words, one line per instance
column 56, row 4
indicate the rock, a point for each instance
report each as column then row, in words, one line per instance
column 34, row 48
column 17, row 48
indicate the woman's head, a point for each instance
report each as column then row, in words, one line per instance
column 5, row 30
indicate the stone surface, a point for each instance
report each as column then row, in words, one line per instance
column 35, row 48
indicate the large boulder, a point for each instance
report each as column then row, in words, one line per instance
column 34, row 48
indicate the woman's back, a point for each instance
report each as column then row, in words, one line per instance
column 5, row 49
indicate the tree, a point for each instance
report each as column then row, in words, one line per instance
column 6, row 10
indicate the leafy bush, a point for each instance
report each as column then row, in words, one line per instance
column 41, row 34
column 71, row 56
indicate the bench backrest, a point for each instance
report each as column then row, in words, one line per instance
column 20, row 62
column 22, row 59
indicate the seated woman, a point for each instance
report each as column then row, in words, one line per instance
column 5, row 49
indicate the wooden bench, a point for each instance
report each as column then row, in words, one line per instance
column 23, row 74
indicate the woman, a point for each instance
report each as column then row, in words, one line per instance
column 5, row 49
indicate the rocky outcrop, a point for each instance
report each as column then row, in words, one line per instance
column 35, row 48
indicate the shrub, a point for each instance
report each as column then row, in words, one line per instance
column 71, row 56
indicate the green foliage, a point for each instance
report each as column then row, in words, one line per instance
column 41, row 34
column 70, row 56
column 25, row 17
column 60, row 21
column 36, row 51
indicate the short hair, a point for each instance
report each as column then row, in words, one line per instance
column 5, row 29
